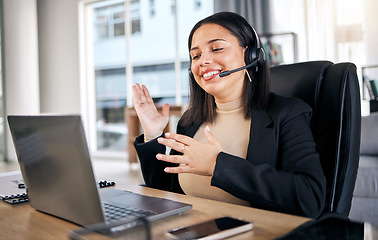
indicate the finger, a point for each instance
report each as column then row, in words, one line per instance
column 138, row 94
column 180, row 169
column 165, row 110
column 138, row 88
column 172, row 144
column 135, row 91
column 172, row 158
column 180, row 138
column 136, row 85
column 146, row 93
column 210, row 137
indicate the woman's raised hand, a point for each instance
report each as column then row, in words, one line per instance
column 152, row 121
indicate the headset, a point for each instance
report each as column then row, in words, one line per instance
column 254, row 57
column 256, row 54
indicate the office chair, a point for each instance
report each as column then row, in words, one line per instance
column 332, row 90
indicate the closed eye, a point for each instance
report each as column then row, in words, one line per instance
column 195, row 57
column 217, row 49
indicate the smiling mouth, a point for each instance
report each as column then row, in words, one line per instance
column 210, row 74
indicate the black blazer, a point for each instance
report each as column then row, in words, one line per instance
column 282, row 170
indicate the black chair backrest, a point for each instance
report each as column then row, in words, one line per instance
column 332, row 90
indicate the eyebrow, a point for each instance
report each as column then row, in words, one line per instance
column 209, row 42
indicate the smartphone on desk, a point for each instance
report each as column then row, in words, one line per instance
column 218, row 228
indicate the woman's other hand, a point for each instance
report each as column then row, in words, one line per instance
column 152, row 121
column 198, row 158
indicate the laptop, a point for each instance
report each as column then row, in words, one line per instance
column 56, row 167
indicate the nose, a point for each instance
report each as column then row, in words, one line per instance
column 206, row 59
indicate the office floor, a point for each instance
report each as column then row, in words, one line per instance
column 105, row 169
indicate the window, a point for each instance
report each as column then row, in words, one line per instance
column 152, row 8
column 150, row 51
column 102, row 23
column 329, row 30
column 118, row 15
column 197, row 4
column 109, row 20
column 349, row 31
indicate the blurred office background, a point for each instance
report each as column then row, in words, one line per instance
column 83, row 56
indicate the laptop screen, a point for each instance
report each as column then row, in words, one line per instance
column 56, row 166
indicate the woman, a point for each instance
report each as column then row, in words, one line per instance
column 237, row 142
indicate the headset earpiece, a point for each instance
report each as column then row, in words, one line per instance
column 260, row 57
column 255, row 53
column 249, row 55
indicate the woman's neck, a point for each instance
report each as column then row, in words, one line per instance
column 227, row 99
column 229, row 106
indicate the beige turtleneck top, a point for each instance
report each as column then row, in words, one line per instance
column 232, row 131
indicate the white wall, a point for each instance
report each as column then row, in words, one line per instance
column 371, row 31
column 20, row 61
column 58, row 56
column 41, row 59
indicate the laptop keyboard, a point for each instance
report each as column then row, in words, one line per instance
column 115, row 212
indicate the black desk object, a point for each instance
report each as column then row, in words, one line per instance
column 331, row 227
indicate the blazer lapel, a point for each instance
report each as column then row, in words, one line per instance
column 189, row 131
column 262, row 137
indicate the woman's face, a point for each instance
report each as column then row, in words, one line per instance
column 214, row 49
